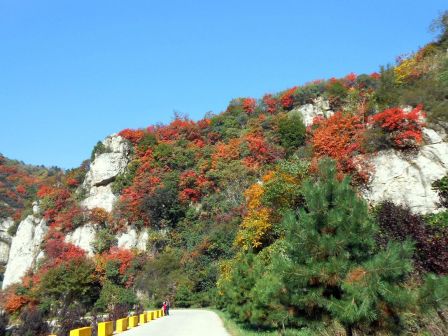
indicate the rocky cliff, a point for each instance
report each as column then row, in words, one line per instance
column 402, row 178
column 21, row 252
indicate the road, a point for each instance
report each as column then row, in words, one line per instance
column 182, row 322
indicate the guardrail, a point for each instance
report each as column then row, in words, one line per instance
column 123, row 324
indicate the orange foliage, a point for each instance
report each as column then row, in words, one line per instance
column 339, row 137
column 99, row 215
column 134, row 136
column 15, row 302
column 249, row 105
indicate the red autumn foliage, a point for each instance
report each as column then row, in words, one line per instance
column 123, row 256
column 249, row 105
column 57, row 197
column 134, row 136
column 72, row 182
column 271, row 103
column 260, row 151
column 58, row 251
column 179, row 128
column 192, row 186
column 69, row 218
column 14, row 303
column 375, row 75
column 339, row 137
column 21, row 189
column 287, row 98
column 350, row 78
column 404, row 128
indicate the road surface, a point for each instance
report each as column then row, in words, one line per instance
column 182, row 322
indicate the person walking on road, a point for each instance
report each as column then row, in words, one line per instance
column 164, row 307
column 167, row 307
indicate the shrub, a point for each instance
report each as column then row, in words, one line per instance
column 104, row 240
column 32, row 323
column 98, row 149
column 4, row 321
column 431, row 243
column 340, row 137
column 291, row 132
column 403, row 128
column 441, row 186
column 71, row 317
column 439, row 219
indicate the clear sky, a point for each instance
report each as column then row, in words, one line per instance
column 72, row 72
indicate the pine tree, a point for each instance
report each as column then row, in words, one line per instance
column 434, row 295
column 330, row 267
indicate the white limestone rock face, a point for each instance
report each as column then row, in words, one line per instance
column 320, row 107
column 25, row 249
column 106, row 166
column 83, row 237
column 132, row 239
column 5, row 239
column 103, row 170
column 100, row 197
column 406, row 179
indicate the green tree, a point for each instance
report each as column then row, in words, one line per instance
column 292, row 132
column 112, row 295
column 69, row 283
column 104, row 240
column 330, row 267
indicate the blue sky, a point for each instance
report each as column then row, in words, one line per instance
column 72, row 72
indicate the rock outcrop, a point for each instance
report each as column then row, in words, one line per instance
column 319, row 108
column 406, row 178
column 25, row 249
column 103, row 170
column 5, row 240
column 83, row 237
column 132, row 239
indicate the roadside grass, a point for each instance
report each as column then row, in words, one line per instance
column 237, row 329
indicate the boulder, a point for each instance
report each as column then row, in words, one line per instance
column 25, row 249
column 406, row 179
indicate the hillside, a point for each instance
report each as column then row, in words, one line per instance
column 322, row 208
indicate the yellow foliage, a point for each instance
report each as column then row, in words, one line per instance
column 415, row 65
column 255, row 229
column 253, row 196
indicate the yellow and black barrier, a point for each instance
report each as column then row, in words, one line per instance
column 86, row 331
column 123, row 324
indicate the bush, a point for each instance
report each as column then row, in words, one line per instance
column 71, row 317
column 32, row 323
column 98, row 149
column 441, row 186
column 104, row 240
column 439, row 219
column 291, row 132
column 431, row 243
column 4, row 320
column 402, row 129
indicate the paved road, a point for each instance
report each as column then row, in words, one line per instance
column 182, row 322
